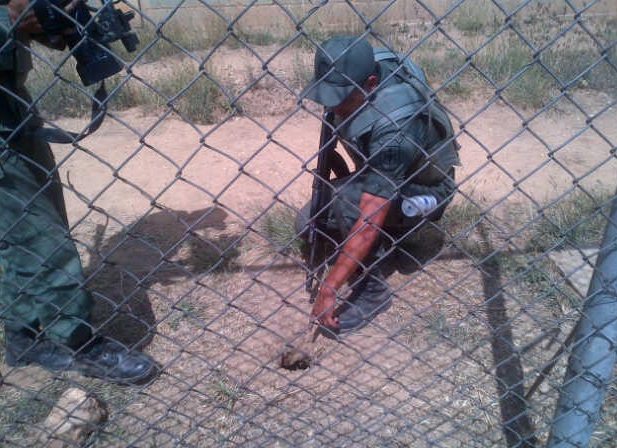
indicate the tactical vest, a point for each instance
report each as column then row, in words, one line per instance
column 406, row 95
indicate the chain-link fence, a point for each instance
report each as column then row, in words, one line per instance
column 182, row 207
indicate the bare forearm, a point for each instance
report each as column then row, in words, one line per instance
column 356, row 248
column 361, row 239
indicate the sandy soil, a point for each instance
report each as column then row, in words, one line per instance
column 245, row 162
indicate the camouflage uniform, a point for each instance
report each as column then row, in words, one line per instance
column 387, row 141
column 40, row 271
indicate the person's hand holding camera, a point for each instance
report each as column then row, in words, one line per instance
column 30, row 24
column 70, row 23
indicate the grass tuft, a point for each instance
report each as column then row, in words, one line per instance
column 195, row 95
column 576, row 220
column 474, row 16
column 461, row 217
column 278, row 227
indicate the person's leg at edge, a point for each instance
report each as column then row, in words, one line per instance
column 45, row 310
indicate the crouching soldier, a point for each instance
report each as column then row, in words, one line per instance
column 402, row 145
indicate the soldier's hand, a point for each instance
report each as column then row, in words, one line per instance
column 323, row 308
column 28, row 23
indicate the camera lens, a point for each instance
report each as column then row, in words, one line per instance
column 94, row 61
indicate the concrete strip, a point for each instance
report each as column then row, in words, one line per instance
column 576, row 266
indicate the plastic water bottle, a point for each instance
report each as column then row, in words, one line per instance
column 418, row 205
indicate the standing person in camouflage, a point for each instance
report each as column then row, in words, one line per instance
column 390, row 128
column 42, row 301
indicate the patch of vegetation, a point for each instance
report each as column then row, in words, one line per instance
column 576, row 220
column 459, row 221
column 302, row 73
column 508, row 62
column 474, row 16
column 193, row 95
column 458, row 87
column 225, row 390
column 456, row 333
column 532, row 79
column 23, row 408
column 172, row 38
column 439, row 65
column 56, row 88
column 190, row 310
column 539, row 281
column 256, row 37
column 278, row 227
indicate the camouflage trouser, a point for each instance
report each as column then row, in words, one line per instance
column 40, row 271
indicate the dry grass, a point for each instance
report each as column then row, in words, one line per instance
column 474, row 51
column 420, row 371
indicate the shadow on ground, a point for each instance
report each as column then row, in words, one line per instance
column 159, row 249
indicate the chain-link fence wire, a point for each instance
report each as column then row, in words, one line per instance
column 182, row 206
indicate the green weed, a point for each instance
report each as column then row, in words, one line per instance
column 58, row 91
column 194, row 95
column 508, row 62
column 437, row 64
column 576, row 220
column 256, row 37
column 225, row 390
column 55, row 86
column 173, row 38
column 474, row 16
column 187, row 310
column 461, row 217
column 277, row 226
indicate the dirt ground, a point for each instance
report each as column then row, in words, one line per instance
column 203, row 292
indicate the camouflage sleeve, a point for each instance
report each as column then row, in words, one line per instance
column 442, row 190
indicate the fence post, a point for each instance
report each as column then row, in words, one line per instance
column 594, row 350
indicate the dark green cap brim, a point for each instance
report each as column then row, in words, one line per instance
column 326, row 94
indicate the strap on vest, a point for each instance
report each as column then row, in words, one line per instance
column 390, row 104
column 99, row 107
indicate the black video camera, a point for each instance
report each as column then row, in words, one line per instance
column 90, row 30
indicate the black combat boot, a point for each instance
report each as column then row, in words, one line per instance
column 23, row 348
column 101, row 358
column 109, row 360
column 369, row 297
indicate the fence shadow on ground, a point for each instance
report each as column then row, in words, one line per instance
column 516, row 423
